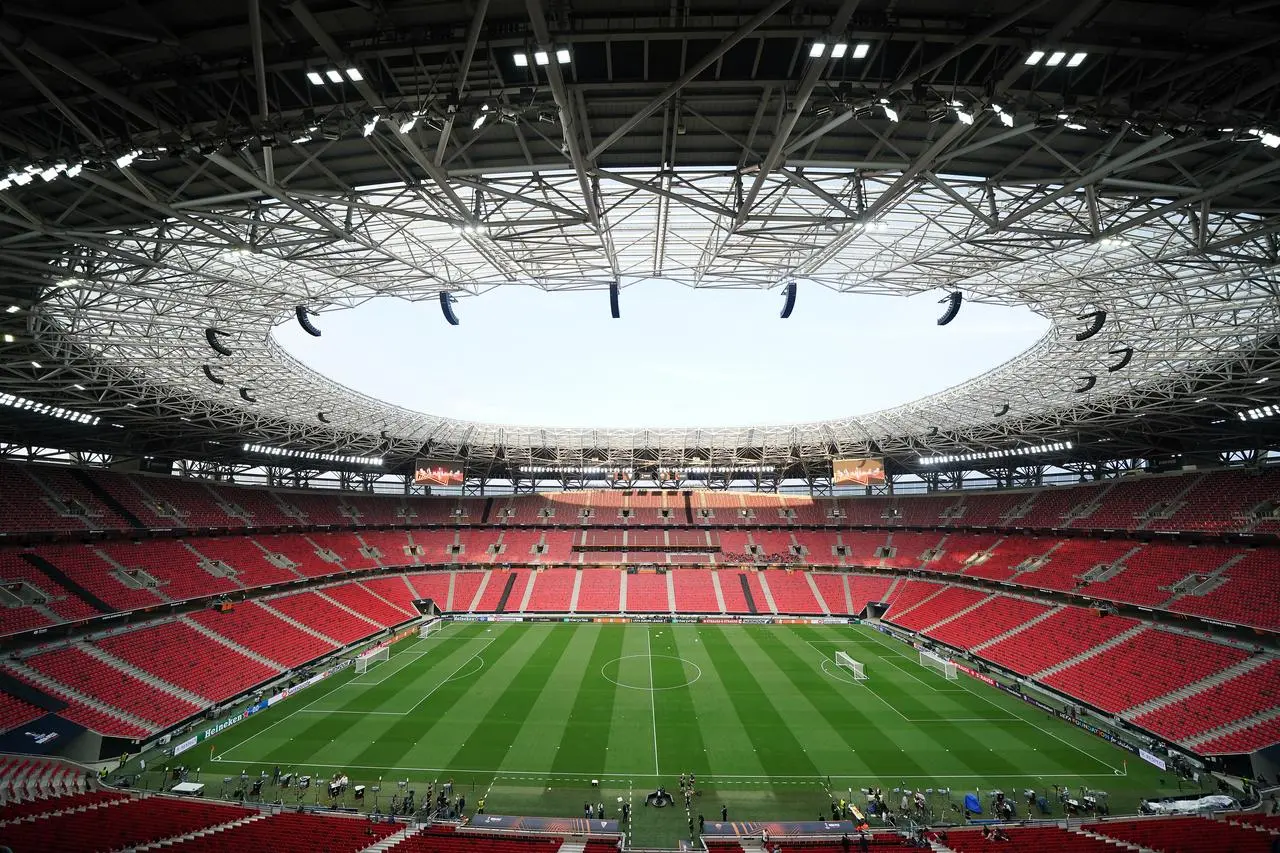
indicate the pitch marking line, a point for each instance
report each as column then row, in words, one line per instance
column 410, row 659
column 542, row 775
column 1115, row 770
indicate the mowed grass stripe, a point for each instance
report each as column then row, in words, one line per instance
column 496, row 732
column 680, row 743
column 729, row 749
column 632, row 734
column 870, row 733
column 772, row 738
column 583, row 743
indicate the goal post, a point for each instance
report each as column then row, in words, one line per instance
column 855, row 667
column 364, row 660
column 431, row 626
column 934, row 661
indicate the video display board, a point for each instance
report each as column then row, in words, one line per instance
column 864, row 471
column 437, row 472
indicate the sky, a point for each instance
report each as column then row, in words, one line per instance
column 677, row 357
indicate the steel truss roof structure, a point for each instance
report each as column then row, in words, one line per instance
column 175, row 172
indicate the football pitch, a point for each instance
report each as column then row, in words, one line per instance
column 528, row 714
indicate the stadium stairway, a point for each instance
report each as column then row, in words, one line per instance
column 817, row 593
column 715, row 584
column 1035, row 620
column 1088, row 653
column 391, row 840
column 961, row 612
column 1245, row 666
column 301, row 626
column 231, row 644
column 143, row 675
column 201, row 833
column 577, row 591
column 768, row 594
column 1210, row 582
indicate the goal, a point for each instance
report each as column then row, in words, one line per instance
column 429, row 627
column 933, row 661
column 859, row 672
column 366, row 659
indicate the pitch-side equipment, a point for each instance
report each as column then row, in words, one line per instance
column 933, row 661
column 429, row 627
column 366, row 659
column 859, row 672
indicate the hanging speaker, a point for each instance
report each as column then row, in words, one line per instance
column 1126, row 356
column 1095, row 326
column 446, row 306
column 246, row 396
column 789, row 299
column 324, row 419
column 1002, row 411
column 216, row 380
column 953, row 301
column 304, row 320
column 614, row 310
column 211, row 335
column 1087, row 383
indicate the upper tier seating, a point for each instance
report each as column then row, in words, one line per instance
column 1143, row 667
column 205, row 667
column 1250, row 595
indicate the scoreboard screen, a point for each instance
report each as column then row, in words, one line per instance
column 437, row 472
column 864, row 471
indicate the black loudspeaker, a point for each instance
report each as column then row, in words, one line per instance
column 1098, row 317
column 304, row 320
column 789, row 297
column 246, row 396
column 211, row 335
column 614, row 311
column 1126, row 356
column 1088, row 383
column 324, row 419
column 446, row 306
column 216, row 380
column 953, row 301
column 1002, row 411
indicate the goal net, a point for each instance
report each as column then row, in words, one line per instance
column 429, row 627
column 843, row 660
column 371, row 657
column 933, row 661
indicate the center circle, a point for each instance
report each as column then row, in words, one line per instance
column 651, row 672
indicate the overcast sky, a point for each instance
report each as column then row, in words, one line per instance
column 678, row 357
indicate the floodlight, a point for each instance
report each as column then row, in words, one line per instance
column 1076, row 59
column 13, row 309
column 5, row 183
column 49, row 174
column 24, row 178
column 521, row 59
column 562, row 56
column 817, row 50
column 371, row 124
column 75, row 170
column 8, row 339
column 479, row 122
column 962, row 115
column 1271, row 140
column 839, row 49
column 334, row 75
column 408, row 124
column 1056, row 58
column 315, row 78
column 540, row 57
column 354, row 75
column 37, row 365
column 889, row 112
column 860, row 50
column 1034, row 57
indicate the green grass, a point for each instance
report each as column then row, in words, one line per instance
column 530, row 713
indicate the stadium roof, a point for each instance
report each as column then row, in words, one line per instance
column 177, row 167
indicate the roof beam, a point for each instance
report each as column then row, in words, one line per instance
column 691, row 74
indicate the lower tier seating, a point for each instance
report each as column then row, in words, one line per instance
column 292, row 833
column 116, row 825
column 441, row 840
column 1254, row 691
column 1069, row 632
column 1150, row 664
column 258, row 630
column 1186, row 835
column 552, row 590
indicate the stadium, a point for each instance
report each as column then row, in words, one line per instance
column 246, row 602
